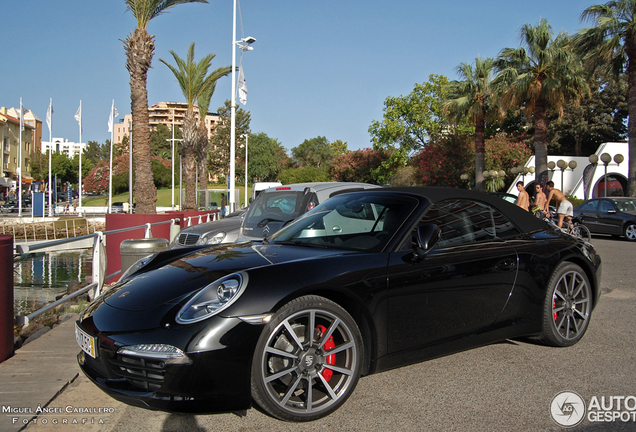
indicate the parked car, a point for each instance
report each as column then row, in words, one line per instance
column 224, row 230
column 293, row 200
column 277, row 206
column 612, row 215
column 12, row 205
column 365, row 282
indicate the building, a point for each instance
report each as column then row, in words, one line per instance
column 62, row 145
column 582, row 178
column 163, row 113
column 9, row 139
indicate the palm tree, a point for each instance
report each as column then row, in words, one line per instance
column 203, row 143
column 545, row 75
column 611, row 45
column 194, row 81
column 474, row 97
column 140, row 48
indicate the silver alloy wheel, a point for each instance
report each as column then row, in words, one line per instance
column 309, row 362
column 571, row 305
column 630, row 232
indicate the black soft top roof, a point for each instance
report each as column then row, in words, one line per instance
column 523, row 219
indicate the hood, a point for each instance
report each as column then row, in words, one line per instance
column 178, row 279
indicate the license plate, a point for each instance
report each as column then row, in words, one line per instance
column 86, row 342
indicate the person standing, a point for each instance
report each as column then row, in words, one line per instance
column 223, row 205
column 523, row 200
column 565, row 210
column 540, row 206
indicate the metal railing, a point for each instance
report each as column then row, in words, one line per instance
column 62, row 228
column 98, row 264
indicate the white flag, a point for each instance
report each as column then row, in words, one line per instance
column 242, row 86
column 22, row 112
column 78, row 115
column 111, row 119
column 49, row 115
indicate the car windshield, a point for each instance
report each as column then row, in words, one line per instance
column 625, row 205
column 362, row 222
column 271, row 210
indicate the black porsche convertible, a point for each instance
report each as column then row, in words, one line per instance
column 365, row 282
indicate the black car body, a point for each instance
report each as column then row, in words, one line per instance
column 365, row 282
column 612, row 215
column 12, row 205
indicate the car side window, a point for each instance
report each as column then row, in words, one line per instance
column 590, row 205
column 461, row 221
column 606, row 206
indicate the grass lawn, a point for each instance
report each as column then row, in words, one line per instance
column 164, row 198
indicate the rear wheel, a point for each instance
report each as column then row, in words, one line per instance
column 567, row 307
column 307, row 361
column 630, row 231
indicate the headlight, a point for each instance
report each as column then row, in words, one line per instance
column 136, row 266
column 213, row 298
column 212, row 240
column 168, row 353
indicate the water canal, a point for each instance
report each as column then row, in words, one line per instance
column 40, row 278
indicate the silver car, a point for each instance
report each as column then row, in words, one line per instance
column 277, row 206
column 210, row 233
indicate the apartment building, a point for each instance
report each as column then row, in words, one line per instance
column 163, row 113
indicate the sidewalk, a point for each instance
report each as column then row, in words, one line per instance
column 36, row 374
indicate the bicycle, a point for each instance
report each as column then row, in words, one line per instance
column 576, row 230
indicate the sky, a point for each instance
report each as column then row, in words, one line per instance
column 318, row 68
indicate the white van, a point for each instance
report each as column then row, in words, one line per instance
column 257, row 188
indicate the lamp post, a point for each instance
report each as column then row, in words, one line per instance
column 172, row 140
column 245, row 46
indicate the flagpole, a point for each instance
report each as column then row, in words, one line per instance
column 80, row 156
column 111, row 125
column 49, row 121
column 20, row 162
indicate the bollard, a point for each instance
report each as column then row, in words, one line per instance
column 6, row 297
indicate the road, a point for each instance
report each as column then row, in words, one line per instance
column 502, row 387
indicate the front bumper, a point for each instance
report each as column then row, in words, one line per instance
column 217, row 378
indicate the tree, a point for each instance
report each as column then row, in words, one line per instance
column 358, row 166
column 160, row 144
column 599, row 118
column 195, row 83
column 304, row 175
column 266, row 159
column 339, row 148
column 475, row 98
column 220, row 155
column 140, row 48
column 410, row 122
column 96, row 152
column 316, row 152
column 545, row 75
column 611, row 45
column 444, row 160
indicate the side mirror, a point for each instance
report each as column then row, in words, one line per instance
column 427, row 236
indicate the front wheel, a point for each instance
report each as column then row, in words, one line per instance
column 307, row 361
column 582, row 231
column 630, row 232
column 567, row 306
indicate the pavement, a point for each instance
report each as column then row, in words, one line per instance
column 36, row 375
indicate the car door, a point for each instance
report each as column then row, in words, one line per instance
column 587, row 214
column 460, row 287
column 608, row 218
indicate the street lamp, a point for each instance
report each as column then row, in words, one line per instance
column 606, row 159
column 244, row 44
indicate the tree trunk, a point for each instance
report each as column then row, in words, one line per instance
column 540, row 139
column 480, row 147
column 202, row 154
column 139, row 49
column 189, row 159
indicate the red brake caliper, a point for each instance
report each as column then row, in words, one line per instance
column 554, row 307
column 331, row 359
